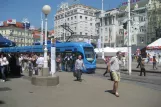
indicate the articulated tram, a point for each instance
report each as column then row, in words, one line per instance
column 63, row 49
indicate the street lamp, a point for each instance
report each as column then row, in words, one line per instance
column 129, row 37
column 45, row 79
column 102, row 15
column 42, row 30
column 46, row 10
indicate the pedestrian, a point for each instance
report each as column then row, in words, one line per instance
column 79, row 65
column 113, row 66
column 3, row 63
column 139, row 60
column 58, row 63
column 124, row 61
column 154, row 62
column 148, row 58
column 40, row 63
column 142, row 66
column 159, row 56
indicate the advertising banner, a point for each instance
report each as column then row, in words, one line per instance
column 11, row 21
column 53, row 56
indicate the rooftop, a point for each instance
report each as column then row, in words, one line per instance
column 141, row 3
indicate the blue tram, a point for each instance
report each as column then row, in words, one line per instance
column 63, row 49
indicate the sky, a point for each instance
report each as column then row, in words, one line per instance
column 31, row 9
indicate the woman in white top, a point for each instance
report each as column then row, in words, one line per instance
column 3, row 63
column 124, row 60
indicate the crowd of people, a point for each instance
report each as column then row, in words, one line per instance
column 16, row 64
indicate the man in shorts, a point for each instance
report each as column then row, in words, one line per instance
column 113, row 66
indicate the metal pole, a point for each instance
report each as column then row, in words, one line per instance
column 64, row 23
column 129, row 37
column 45, row 49
column 25, row 34
column 41, row 37
column 110, row 36
column 102, row 33
column 114, row 36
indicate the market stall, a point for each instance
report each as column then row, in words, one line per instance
column 154, row 49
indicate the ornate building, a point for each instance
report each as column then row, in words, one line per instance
column 154, row 20
column 79, row 18
column 16, row 33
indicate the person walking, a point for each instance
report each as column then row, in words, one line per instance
column 113, row 66
column 79, row 65
column 148, row 58
column 40, row 63
column 159, row 56
column 139, row 60
column 3, row 63
column 124, row 61
column 142, row 66
column 58, row 63
column 154, row 62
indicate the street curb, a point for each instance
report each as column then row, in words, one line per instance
column 26, row 77
column 134, row 70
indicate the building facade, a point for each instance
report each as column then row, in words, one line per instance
column 106, row 26
column 139, row 23
column 111, row 28
column 17, row 35
column 80, row 19
column 154, row 20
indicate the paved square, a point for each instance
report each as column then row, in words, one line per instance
column 91, row 92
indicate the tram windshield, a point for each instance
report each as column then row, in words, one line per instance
column 89, row 53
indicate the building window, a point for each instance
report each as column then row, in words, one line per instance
column 80, row 33
column 80, row 17
column 75, row 28
column 68, row 19
column 75, row 10
column 86, row 18
column 86, row 33
column 91, row 24
column 85, row 12
column 71, row 18
column 75, row 17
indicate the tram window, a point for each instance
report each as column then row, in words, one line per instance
column 76, row 54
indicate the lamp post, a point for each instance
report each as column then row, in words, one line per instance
column 42, row 30
column 45, row 79
column 129, row 38
column 46, row 10
column 102, row 14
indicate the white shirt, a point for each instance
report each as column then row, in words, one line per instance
column 3, row 61
column 20, row 60
column 40, row 61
